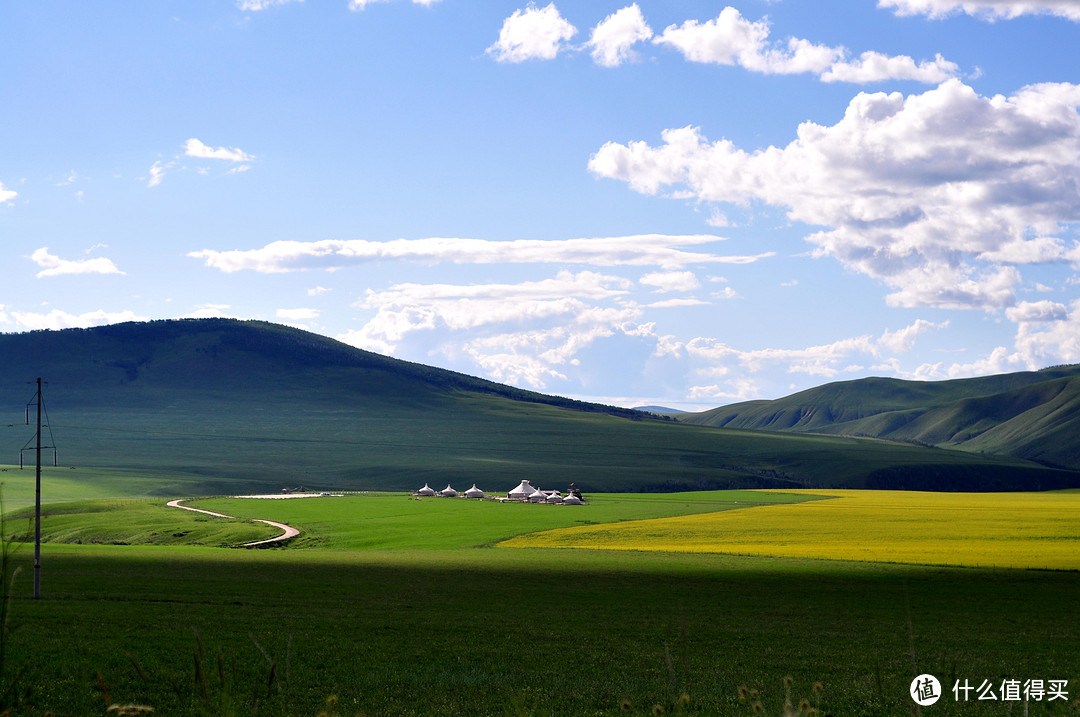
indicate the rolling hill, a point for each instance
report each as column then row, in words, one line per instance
column 1033, row 415
column 244, row 405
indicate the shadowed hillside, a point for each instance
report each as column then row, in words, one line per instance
column 251, row 405
column 1034, row 415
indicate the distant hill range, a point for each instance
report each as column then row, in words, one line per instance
column 658, row 410
column 1033, row 415
column 246, row 405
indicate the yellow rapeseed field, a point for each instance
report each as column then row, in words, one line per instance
column 1016, row 530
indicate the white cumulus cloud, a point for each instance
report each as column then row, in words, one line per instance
column 875, row 67
column 936, row 194
column 6, row 195
column 731, row 39
column 532, row 33
column 195, row 148
column 613, row 38
column 1046, row 310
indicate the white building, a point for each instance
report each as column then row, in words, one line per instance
column 522, row 492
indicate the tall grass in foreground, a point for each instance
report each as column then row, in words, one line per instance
column 502, row 632
column 8, row 572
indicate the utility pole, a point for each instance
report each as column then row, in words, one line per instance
column 39, row 401
column 37, row 502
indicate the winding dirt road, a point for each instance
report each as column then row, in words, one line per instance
column 289, row 531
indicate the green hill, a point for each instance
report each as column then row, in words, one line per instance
column 250, row 406
column 1034, row 415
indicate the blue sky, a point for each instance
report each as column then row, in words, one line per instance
column 686, row 203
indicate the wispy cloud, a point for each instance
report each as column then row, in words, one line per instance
column 738, row 369
column 256, row 5
column 1047, row 333
column 57, row 319
column 637, row 250
column 361, row 4
column 666, row 281
column 157, row 172
column 297, row 314
column 987, row 9
column 196, row 149
column 55, row 266
column 518, row 332
column 209, row 311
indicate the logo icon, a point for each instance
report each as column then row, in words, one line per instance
column 925, row 690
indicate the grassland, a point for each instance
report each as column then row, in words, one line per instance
column 1015, row 530
column 66, row 484
column 482, row 632
column 394, row 606
column 397, row 521
column 133, row 521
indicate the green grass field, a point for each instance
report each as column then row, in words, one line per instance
column 393, row 606
column 65, row 484
column 397, row 521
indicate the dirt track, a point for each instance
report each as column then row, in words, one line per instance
column 289, row 531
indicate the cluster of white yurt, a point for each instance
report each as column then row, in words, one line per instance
column 525, row 492
column 449, row 492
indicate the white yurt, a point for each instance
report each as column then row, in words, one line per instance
column 448, row 492
column 474, row 492
column 536, row 496
column 426, row 490
column 571, row 500
column 522, row 492
column 554, row 497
